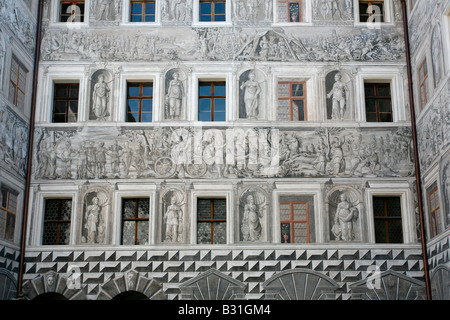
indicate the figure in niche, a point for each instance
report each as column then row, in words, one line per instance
column 346, row 213
column 103, row 11
column 252, row 90
column 173, row 219
column 339, row 96
column 100, row 98
column 94, row 222
column 251, row 225
column 175, row 95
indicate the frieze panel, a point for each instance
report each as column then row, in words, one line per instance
column 190, row 152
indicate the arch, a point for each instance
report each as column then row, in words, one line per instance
column 130, row 295
column 440, row 283
column 300, row 284
column 49, row 296
column 8, row 285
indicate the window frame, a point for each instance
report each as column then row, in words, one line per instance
column 60, row 15
column 140, row 98
column 387, row 218
column 378, row 98
column 144, row 3
column 291, row 99
column 196, row 14
column 57, row 221
column 135, row 219
column 423, row 83
column 388, row 15
column 292, row 221
column 433, row 218
column 15, row 83
column 211, row 97
column 213, row 11
column 67, row 99
column 212, row 220
column 9, row 212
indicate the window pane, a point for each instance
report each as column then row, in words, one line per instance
column 204, row 89
column 74, row 91
column 150, row 8
column 285, row 233
column 220, row 233
column 219, row 104
column 297, row 90
column 204, row 105
column 133, row 90
column 142, row 233
column 133, row 105
column 136, row 8
column 294, row 12
column 147, row 90
column 384, row 90
column 371, row 106
column 219, row 116
column 146, row 117
column 61, row 91
column 220, row 89
column 203, row 209
column 220, row 209
column 128, row 232
column 147, row 105
column 384, row 105
column 132, row 117
column 369, row 90
column 204, row 233
column 204, row 116
column 385, row 117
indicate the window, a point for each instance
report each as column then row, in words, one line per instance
column 17, row 83
column 290, row 11
column 371, row 11
column 211, row 221
column 378, row 102
column 423, row 76
column 71, row 11
column 142, row 11
column 57, row 221
column 212, row 101
column 434, row 210
column 212, row 10
column 135, row 221
column 139, row 102
column 65, row 102
column 8, row 209
column 292, row 101
column 387, row 219
column 294, row 220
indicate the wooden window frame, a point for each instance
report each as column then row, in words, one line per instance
column 300, row 5
column 213, row 14
column 377, row 98
column 67, row 100
column 140, row 98
column 15, row 82
column 58, row 221
column 291, row 99
column 423, row 88
column 66, row 15
column 136, row 219
column 211, row 220
column 8, row 213
column 143, row 14
column 371, row 3
column 434, row 224
column 211, row 98
column 386, row 218
column 292, row 221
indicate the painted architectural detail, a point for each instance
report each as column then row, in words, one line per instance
column 344, row 210
column 175, row 94
column 96, row 206
column 174, row 216
column 251, row 95
column 339, row 93
column 101, row 95
column 253, row 209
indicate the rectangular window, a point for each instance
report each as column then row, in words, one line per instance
column 371, row 11
column 292, row 101
column 388, row 219
column 212, row 10
column 135, row 221
column 57, row 215
column 139, row 102
column 212, row 101
column 65, row 102
column 434, row 210
column 211, row 221
column 71, row 11
column 378, row 102
column 290, row 11
column 8, row 210
column 423, row 76
column 142, row 11
column 17, row 83
column 294, row 220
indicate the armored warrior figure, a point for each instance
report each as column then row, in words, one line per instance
column 173, row 218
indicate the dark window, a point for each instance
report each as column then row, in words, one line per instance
column 17, row 83
column 423, row 76
column 378, row 102
column 71, row 11
column 388, row 220
column 139, row 102
column 371, row 11
column 8, row 209
column 212, row 10
column 434, row 210
column 142, row 11
column 212, row 101
column 292, row 101
column 294, row 220
column 211, row 221
column 135, row 221
column 65, row 102
column 290, row 10
column 57, row 217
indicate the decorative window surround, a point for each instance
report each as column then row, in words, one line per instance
column 37, row 211
column 196, row 16
column 47, row 79
column 381, row 74
column 126, row 14
column 402, row 190
column 388, row 16
column 134, row 191
column 295, row 189
column 54, row 14
column 306, row 19
column 213, row 191
column 429, row 179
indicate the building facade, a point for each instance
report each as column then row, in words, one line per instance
column 233, row 150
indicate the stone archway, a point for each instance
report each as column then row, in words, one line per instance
column 440, row 283
column 8, row 285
